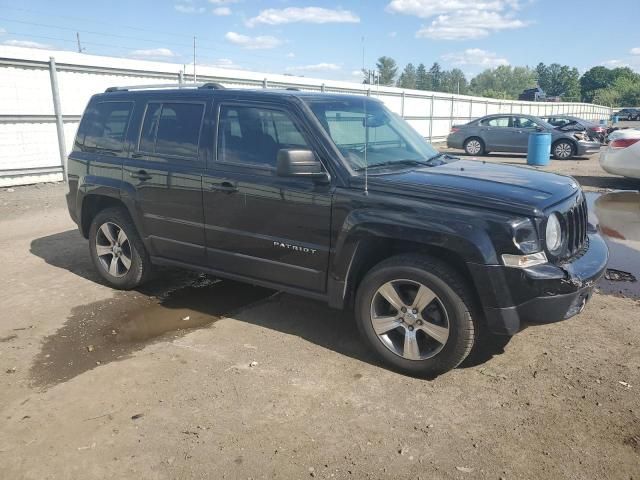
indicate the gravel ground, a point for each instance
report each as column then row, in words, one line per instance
column 191, row 377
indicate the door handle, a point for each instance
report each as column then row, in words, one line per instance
column 226, row 187
column 141, row 175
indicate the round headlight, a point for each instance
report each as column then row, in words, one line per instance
column 554, row 234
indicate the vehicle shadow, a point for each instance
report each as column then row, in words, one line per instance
column 182, row 291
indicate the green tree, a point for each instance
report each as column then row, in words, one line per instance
column 594, row 79
column 422, row 79
column 454, row 81
column 559, row 81
column 387, row 70
column 408, row 78
column 435, row 75
column 503, row 82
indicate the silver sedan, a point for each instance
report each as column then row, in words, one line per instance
column 510, row 133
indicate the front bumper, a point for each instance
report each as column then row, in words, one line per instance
column 547, row 293
column 587, row 148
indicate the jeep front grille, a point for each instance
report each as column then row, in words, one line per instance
column 576, row 219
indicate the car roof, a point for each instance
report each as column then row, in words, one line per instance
column 229, row 93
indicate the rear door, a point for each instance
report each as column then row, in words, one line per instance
column 260, row 225
column 164, row 173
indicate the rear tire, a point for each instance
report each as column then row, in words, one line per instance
column 117, row 250
column 439, row 326
column 563, row 150
column 474, row 146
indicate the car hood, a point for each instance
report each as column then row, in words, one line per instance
column 486, row 185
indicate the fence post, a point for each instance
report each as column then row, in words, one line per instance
column 402, row 105
column 55, row 93
column 181, row 77
column 322, row 88
column 451, row 114
column 431, row 121
column 265, row 84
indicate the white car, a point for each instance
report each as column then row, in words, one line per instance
column 622, row 155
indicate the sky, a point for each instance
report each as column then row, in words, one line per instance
column 334, row 39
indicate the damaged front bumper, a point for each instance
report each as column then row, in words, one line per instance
column 541, row 294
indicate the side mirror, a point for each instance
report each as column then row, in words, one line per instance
column 299, row 163
column 539, row 129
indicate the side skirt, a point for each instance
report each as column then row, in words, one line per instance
column 241, row 278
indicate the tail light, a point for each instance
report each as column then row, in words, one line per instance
column 623, row 142
column 454, row 129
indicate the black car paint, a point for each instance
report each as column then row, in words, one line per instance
column 317, row 238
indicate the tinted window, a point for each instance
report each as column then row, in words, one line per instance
column 254, row 135
column 172, row 129
column 104, row 126
column 496, row 122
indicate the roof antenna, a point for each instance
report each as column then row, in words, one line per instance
column 366, row 142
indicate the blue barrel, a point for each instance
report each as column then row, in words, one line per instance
column 539, row 149
column 603, row 121
column 614, row 119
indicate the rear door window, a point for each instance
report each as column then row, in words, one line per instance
column 496, row 122
column 172, row 129
column 104, row 127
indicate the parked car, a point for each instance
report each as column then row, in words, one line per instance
column 628, row 114
column 622, row 155
column 594, row 130
column 335, row 198
column 510, row 133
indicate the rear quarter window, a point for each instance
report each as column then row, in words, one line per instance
column 104, row 127
column 172, row 129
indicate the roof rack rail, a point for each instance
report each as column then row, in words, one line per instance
column 160, row 86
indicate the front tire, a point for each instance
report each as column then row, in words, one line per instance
column 474, row 146
column 417, row 314
column 117, row 250
column 563, row 150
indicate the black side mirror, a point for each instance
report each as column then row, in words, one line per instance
column 539, row 129
column 299, row 163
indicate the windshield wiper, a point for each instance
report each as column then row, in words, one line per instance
column 391, row 163
column 441, row 155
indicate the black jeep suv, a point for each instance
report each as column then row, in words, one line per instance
column 335, row 198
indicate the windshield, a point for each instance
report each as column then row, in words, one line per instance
column 353, row 123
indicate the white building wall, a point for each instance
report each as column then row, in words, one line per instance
column 28, row 137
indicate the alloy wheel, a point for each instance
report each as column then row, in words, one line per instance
column 113, row 249
column 473, row 147
column 563, row 150
column 409, row 319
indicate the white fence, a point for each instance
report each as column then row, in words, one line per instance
column 29, row 150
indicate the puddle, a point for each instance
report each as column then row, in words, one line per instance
column 112, row 329
column 617, row 215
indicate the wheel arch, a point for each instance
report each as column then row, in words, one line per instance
column 92, row 204
column 371, row 251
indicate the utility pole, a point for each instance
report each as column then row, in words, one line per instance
column 79, row 44
column 194, row 60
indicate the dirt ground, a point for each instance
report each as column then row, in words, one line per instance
column 192, row 377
